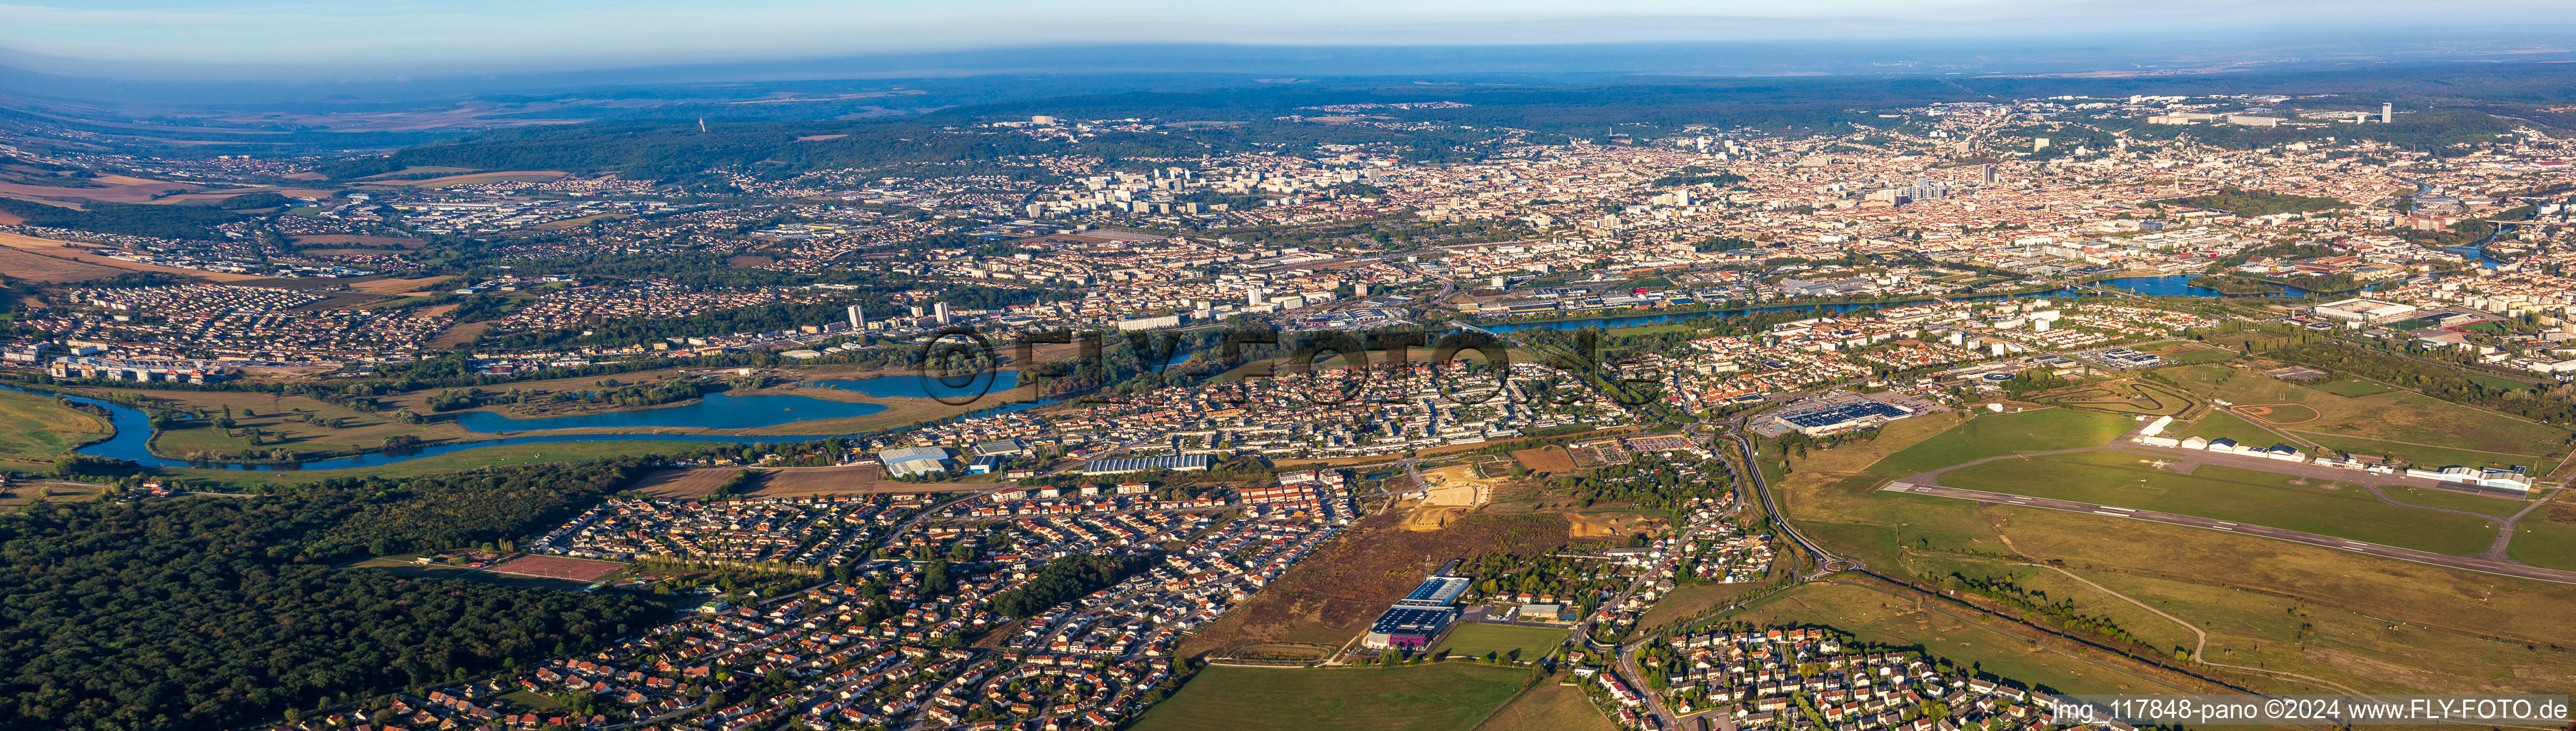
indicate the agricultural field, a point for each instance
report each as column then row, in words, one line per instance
column 1550, row 706
column 1996, row 435
column 36, row 429
column 1446, row 696
column 2132, row 398
column 1878, row 618
column 23, row 494
column 2229, row 493
column 1502, row 641
column 39, row 268
column 56, row 250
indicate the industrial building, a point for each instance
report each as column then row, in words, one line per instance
column 1842, row 418
column 1409, row 628
column 1417, row 619
column 2364, row 310
column 910, row 461
column 1124, row 465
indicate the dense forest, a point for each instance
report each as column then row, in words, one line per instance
column 131, row 219
column 211, row 612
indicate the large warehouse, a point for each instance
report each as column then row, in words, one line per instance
column 1124, row 465
column 1843, row 418
column 1419, row 617
column 1408, row 627
column 2360, row 309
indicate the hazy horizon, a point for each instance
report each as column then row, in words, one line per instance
column 308, row 40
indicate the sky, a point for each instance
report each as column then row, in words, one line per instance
column 127, row 38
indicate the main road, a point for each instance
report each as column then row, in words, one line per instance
column 2466, row 563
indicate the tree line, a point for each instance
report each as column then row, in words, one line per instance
column 216, row 612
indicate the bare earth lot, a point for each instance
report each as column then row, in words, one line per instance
column 557, row 567
column 1328, row 598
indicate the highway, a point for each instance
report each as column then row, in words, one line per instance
column 2466, row 563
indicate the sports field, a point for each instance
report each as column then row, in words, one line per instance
column 1995, row 435
column 1447, row 696
column 2228, row 493
column 1503, row 641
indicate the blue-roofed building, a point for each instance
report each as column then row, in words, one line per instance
column 1407, row 627
column 1437, row 591
column 1124, row 465
column 1842, row 418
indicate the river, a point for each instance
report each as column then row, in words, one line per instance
column 133, row 438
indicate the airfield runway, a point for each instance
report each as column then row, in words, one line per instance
column 2403, row 554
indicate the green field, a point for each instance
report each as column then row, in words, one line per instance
column 2497, row 383
column 2126, row 398
column 2393, row 417
column 1877, row 618
column 2354, row 387
column 1550, row 706
column 1503, row 641
column 2496, row 506
column 2224, row 425
column 2425, row 455
column 1996, row 435
column 2380, row 625
column 37, row 429
column 2545, row 538
column 2204, row 355
column 2228, row 493
column 1447, row 696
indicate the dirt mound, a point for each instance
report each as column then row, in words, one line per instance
column 1598, row 527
